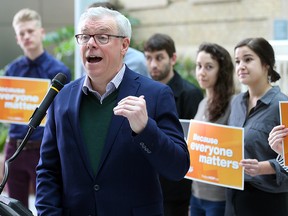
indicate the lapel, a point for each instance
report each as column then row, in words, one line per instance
column 129, row 87
column 74, row 111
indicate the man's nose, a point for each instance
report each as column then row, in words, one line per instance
column 153, row 63
column 91, row 42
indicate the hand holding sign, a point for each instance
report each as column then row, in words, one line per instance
column 215, row 153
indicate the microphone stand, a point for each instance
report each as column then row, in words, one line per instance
column 10, row 206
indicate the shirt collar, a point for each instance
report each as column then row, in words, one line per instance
column 116, row 81
column 267, row 98
column 38, row 61
column 175, row 84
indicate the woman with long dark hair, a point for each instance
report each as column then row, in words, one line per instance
column 214, row 72
column 257, row 111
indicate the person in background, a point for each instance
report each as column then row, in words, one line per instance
column 276, row 137
column 35, row 63
column 109, row 134
column 134, row 58
column 257, row 111
column 161, row 57
column 214, row 73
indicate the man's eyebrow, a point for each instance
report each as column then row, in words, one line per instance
column 99, row 30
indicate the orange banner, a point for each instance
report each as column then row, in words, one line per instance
column 19, row 97
column 283, row 106
column 215, row 153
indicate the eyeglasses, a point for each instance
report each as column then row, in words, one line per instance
column 98, row 38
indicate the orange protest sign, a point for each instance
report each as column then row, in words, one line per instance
column 215, row 153
column 283, row 106
column 19, row 97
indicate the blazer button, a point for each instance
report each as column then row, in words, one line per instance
column 96, row 187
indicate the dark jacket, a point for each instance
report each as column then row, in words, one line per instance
column 187, row 97
column 127, row 180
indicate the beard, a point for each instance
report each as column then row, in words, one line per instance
column 162, row 74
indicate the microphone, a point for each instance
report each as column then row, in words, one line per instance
column 56, row 85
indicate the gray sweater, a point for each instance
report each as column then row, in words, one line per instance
column 203, row 190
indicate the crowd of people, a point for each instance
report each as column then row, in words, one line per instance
column 113, row 143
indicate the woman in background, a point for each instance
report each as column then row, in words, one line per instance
column 257, row 111
column 214, row 72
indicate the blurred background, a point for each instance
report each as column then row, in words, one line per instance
column 188, row 22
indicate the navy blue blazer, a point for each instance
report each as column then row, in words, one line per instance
column 127, row 181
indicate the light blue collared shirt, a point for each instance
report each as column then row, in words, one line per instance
column 111, row 86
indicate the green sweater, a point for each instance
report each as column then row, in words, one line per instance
column 95, row 121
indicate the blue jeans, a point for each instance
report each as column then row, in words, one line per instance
column 200, row 207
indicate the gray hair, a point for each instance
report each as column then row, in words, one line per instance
column 123, row 24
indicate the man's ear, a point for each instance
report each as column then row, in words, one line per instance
column 16, row 38
column 125, row 45
column 174, row 59
column 43, row 32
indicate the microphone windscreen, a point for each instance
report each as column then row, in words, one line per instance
column 59, row 81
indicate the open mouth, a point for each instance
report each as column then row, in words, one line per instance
column 93, row 59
